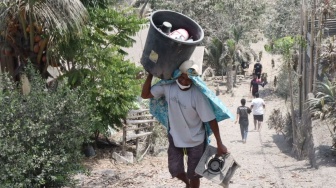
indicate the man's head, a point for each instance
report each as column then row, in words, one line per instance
column 189, row 64
column 254, row 76
column 184, row 81
column 243, row 102
column 256, row 95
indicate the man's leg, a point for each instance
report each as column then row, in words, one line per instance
column 176, row 162
column 183, row 177
column 195, row 183
column 259, row 125
column 255, row 122
column 260, row 120
column 194, row 156
column 242, row 131
column 245, row 131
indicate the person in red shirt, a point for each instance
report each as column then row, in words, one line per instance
column 254, row 86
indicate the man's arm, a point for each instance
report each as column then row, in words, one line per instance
column 146, row 94
column 221, row 149
column 237, row 118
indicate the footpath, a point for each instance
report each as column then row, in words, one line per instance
column 265, row 159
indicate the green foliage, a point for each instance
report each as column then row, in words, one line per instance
column 283, row 17
column 221, row 19
column 113, row 91
column 281, row 124
column 323, row 105
column 41, row 134
column 324, row 101
column 283, row 87
column 98, row 63
column 231, row 44
column 215, row 52
column 286, row 45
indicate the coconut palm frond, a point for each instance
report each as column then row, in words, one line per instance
column 326, row 87
column 325, row 99
column 231, row 44
column 55, row 15
column 314, row 104
column 215, row 50
column 5, row 9
column 61, row 15
column 237, row 33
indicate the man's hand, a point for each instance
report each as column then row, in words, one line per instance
column 221, row 149
column 146, row 94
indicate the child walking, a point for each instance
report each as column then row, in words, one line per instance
column 242, row 116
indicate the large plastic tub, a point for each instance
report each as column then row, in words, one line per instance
column 162, row 54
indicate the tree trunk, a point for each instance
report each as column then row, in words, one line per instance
column 229, row 78
column 235, row 76
column 291, row 100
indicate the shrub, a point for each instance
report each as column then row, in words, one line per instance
column 41, row 134
column 281, row 124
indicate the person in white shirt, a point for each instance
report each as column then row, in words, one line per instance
column 188, row 110
column 258, row 106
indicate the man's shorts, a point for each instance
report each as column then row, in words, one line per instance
column 258, row 117
column 176, row 159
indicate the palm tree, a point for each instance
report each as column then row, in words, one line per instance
column 30, row 28
column 215, row 52
column 230, row 57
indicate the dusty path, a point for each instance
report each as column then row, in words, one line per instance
column 265, row 159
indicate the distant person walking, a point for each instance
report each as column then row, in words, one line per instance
column 258, row 106
column 242, row 116
column 254, row 86
column 257, row 69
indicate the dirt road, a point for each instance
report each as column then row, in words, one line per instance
column 265, row 159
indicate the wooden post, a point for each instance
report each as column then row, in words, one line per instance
column 318, row 49
column 300, row 61
column 312, row 41
column 304, row 72
column 124, row 137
